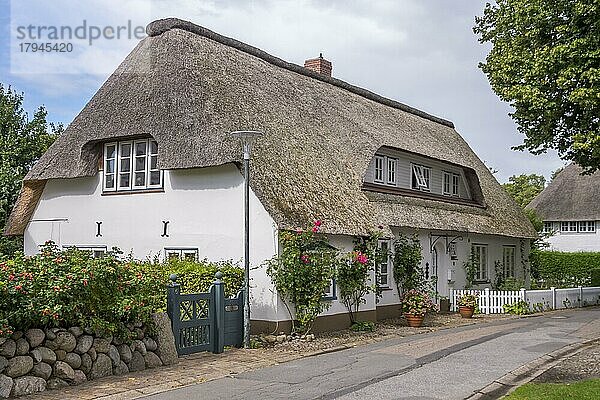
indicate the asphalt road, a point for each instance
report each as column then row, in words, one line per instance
column 448, row 364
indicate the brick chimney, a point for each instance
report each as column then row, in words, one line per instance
column 319, row 65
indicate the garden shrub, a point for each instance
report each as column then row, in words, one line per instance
column 71, row 288
column 302, row 272
column 352, row 279
column 408, row 273
column 560, row 269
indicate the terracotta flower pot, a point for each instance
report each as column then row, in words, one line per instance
column 414, row 321
column 466, row 312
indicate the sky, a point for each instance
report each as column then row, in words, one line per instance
column 420, row 52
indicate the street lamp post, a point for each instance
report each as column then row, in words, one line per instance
column 247, row 138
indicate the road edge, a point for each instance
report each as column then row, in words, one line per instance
column 528, row 372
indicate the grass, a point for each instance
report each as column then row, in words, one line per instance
column 582, row 390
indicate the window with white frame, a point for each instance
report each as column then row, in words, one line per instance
column 383, row 268
column 451, row 184
column 480, row 258
column 508, row 261
column 421, row 177
column 180, row 253
column 131, row 165
column 96, row 251
column 379, row 160
column 548, row 227
column 391, row 171
column 329, row 293
column 587, row 226
column 578, row 226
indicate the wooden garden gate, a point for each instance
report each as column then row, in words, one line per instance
column 205, row 321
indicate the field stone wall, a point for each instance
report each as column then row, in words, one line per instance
column 41, row 359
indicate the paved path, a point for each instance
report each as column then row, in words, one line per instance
column 450, row 364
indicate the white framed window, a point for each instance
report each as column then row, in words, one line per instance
column 569, row 226
column 379, row 162
column 508, row 261
column 548, row 227
column 383, row 268
column 131, row 165
column 421, row 177
column 110, row 167
column 586, row 226
column 97, row 251
column 451, row 184
column 391, row 171
column 329, row 293
column 480, row 253
column 181, row 253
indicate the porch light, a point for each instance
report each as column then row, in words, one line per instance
column 247, row 138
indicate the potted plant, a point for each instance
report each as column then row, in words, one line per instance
column 415, row 304
column 466, row 305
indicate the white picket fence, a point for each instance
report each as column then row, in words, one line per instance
column 492, row 301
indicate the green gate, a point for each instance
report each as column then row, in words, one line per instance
column 205, row 321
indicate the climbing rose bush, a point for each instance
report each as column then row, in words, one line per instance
column 302, row 272
column 352, row 278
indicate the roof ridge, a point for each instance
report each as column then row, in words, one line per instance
column 158, row 27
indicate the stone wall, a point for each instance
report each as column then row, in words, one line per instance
column 41, row 359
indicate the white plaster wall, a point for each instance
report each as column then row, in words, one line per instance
column 573, row 241
column 204, row 208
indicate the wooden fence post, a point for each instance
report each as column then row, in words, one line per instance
column 173, row 310
column 487, row 300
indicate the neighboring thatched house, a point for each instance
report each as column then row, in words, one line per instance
column 570, row 209
column 331, row 151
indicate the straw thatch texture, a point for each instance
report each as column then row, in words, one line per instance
column 570, row 197
column 25, row 206
column 188, row 87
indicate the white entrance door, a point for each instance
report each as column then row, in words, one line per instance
column 440, row 269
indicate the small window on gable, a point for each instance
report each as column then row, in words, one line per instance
column 451, row 184
column 421, row 177
column 131, row 165
column 379, row 169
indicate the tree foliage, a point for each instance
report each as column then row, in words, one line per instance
column 523, row 188
column 545, row 62
column 22, row 142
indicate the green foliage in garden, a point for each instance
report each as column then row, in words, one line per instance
column 352, row 276
column 580, row 390
column 517, row 308
column 71, row 288
column 302, row 272
column 363, row 326
column 22, row 142
column 407, row 263
column 197, row 277
column 470, row 267
column 467, row 300
column 544, row 63
column 561, row 270
column 417, row 302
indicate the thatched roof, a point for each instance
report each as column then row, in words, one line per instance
column 570, row 197
column 188, row 87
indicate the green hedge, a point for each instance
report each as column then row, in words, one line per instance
column 559, row 269
column 70, row 288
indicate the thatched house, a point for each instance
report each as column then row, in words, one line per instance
column 149, row 166
column 570, row 209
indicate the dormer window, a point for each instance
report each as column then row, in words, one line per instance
column 131, row 165
column 421, row 178
column 379, row 160
column 451, row 184
column 391, row 171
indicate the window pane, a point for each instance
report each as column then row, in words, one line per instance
column 140, row 149
column 110, row 181
column 110, row 151
column 153, row 162
column 110, row 166
column 125, row 167
column 140, row 179
column 173, row 255
column 383, row 280
column 189, row 256
column 155, row 178
column 140, row 163
column 124, row 180
column 126, row 150
column 153, row 147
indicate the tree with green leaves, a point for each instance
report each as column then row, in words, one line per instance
column 523, row 188
column 545, row 62
column 22, row 142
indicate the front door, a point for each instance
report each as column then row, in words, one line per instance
column 440, row 269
